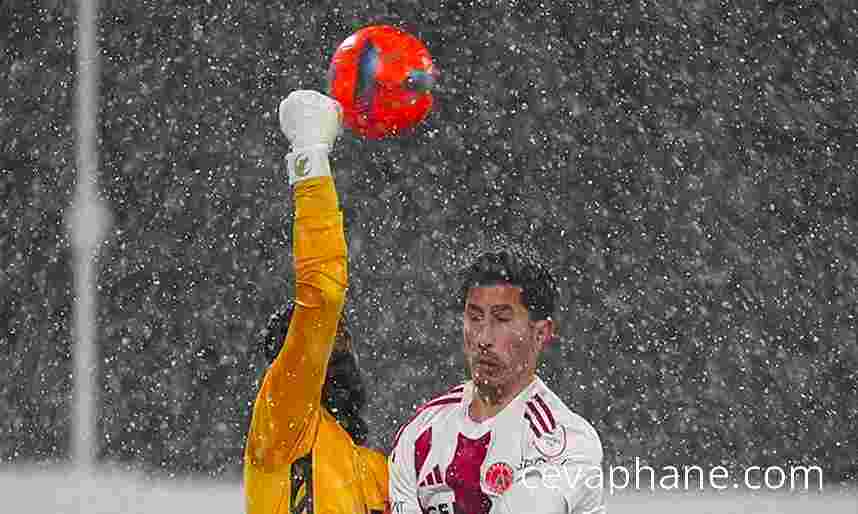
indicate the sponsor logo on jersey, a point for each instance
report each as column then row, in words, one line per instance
column 432, row 478
column 441, row 503
column 529, row 463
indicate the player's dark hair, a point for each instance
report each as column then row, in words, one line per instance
column 517, row 267
column 344, row 394
column 344, row 391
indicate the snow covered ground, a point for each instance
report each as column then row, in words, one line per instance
column 36, row 490
column 835, row 501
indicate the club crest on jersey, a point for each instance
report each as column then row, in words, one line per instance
column 552, row 444
column 499, row 477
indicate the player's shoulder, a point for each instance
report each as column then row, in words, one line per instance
column 427, row 413
column 543, row 404
column 371, row 455
column 374, row 461
column 556, row 430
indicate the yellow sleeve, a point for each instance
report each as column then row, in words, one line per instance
column 375, row 478
column 287, row 409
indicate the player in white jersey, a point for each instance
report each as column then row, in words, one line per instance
column 503, row 442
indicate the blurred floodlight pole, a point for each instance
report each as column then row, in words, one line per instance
column 87, row 220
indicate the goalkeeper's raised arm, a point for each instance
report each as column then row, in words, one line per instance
column 299, row 455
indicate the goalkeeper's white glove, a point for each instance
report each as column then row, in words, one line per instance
column 311, row 121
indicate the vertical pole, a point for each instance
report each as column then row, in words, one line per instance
column 87, row 222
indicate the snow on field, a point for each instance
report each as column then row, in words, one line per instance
column 36, row 490
column 835, row 501
column 39, row 490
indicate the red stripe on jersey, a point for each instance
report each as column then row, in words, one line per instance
column 547, row 411
column 538, row 416
column 437, row 473
column 433, row 403
column 421, row 450
column 532, row 424
column 440, row 400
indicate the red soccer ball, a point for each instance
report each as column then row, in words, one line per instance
column 383, row 77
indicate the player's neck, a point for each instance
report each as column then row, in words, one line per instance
column 489, row 401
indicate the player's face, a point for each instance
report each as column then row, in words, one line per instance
column 502, row 344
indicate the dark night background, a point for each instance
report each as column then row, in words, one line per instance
column 686, row 168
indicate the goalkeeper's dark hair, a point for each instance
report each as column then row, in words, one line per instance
column 344, row 392
column 518, row 267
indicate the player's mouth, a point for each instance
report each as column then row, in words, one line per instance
column 487, row 365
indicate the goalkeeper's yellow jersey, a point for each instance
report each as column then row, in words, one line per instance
column 298, row 460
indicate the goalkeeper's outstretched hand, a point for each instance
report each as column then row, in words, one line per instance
column 310, row 121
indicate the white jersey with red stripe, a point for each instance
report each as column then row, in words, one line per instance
column 535, row 456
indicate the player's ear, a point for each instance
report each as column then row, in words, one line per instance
column 544, row 331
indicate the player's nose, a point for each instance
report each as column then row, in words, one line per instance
column 483, row 337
